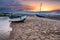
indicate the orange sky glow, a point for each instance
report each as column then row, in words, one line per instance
column 47, row 5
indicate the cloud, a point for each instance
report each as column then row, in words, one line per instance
column 24, row 4
column 54, row 0
column 9, row 2
column 22, row 7
column 14, row 5
column 16, row 8
column 40, row 0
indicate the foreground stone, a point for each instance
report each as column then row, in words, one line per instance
column 35, row 28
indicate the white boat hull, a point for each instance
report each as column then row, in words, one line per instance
column 18, row 19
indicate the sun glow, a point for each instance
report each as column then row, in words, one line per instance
column 45, row 8
column 42, row 9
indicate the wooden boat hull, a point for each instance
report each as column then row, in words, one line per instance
column 49, row 15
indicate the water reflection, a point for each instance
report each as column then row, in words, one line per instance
column 4, row 27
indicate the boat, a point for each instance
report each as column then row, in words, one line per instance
column 49, row 15
column 17, row 18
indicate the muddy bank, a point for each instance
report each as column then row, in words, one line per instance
column 35, row 28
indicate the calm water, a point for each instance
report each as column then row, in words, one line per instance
column 4, row 27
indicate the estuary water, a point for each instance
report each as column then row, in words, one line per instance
column 4, row 28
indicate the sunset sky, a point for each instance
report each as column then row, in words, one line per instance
column 32, row 5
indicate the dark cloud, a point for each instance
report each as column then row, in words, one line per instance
column 13, row 5
column 16, row 8
column 40, row 0
column 9, row 2
column 17, row 2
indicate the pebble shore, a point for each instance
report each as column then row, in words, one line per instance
column 35, row 28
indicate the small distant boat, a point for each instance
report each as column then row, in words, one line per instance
column 17, row 18
column 38, row 15
column 49, row 15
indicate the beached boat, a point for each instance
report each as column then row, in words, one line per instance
column 51, row 15
column 17, row 18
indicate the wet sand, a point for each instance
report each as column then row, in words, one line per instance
column 4, row 36
column 35, row 28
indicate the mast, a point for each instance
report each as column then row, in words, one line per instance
column 40, row 6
